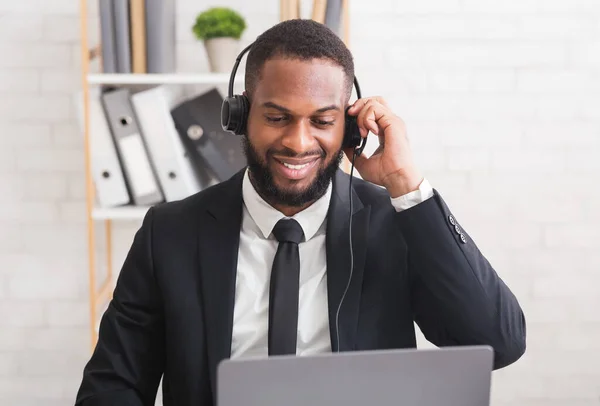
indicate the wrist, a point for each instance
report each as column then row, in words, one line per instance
column 402, row 183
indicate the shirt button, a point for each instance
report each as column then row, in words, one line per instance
column 457, row 229
column 463, row 238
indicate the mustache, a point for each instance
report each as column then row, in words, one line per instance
column 286, row 152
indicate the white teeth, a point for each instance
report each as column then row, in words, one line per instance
column 295, row 166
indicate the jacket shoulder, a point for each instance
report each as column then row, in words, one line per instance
column 188, row 208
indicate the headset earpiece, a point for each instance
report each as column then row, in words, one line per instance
column 234, row 114
column 352, row 136
column 234, row 110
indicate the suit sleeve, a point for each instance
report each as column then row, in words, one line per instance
column 457, row 297
column 127, row 363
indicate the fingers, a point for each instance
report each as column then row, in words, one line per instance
column 367, row 119
column 361, row 102
column 373, row 116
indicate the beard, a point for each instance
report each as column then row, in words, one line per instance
column 264, row 183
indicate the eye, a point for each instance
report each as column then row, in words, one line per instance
column 274, row 119
column 323, row 122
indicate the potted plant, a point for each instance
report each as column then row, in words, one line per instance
column 220, row 28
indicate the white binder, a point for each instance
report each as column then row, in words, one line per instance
column 110, row 186
column 131, row 149
column 174, row 169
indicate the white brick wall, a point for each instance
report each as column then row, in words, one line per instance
column 502, row 104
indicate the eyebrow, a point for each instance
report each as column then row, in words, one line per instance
column 286, row 110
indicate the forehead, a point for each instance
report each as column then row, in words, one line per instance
column 289, row 81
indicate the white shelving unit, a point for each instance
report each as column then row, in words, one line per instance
column 100, row 290
column 126, row 213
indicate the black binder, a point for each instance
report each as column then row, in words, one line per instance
column 198, row 121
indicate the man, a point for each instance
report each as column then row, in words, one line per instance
column 196, row 286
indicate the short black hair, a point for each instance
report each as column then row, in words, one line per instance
column 302, row 39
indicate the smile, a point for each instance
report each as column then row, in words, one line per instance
column 295, row 166
column 295, row 169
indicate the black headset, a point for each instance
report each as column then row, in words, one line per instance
column 235, row 109
column 234, row 115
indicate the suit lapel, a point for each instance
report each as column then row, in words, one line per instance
column 219, row 232
column 339, row 261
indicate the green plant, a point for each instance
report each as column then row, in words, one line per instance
column 219, row 22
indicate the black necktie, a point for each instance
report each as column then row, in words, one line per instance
column 283, row 290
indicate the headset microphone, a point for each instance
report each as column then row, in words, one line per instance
column 234, row 117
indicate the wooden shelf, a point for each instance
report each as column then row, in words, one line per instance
column 160, row 78
column 119, row 213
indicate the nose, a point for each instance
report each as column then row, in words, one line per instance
column 298, row 137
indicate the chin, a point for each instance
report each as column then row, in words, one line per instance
column 293, row 187
column 279, row 185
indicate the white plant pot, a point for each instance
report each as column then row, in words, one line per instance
column 221, row 53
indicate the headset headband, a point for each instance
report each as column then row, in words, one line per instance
column 239, row 59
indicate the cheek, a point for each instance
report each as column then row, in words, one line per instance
column 257, row 135
column 331, row 142
column 261, row 139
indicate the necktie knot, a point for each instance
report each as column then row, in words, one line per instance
column 288, row 230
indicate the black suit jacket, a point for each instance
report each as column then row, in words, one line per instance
column 172, row 307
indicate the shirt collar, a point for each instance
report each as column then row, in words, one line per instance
column 265, row 216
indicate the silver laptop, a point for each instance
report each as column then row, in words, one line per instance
column 451, row 376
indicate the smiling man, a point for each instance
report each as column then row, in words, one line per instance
column 260, row 265
column 296, row 129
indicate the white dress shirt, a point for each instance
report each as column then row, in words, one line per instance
column 255, row 258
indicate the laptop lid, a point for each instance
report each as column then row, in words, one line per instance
column 450, row 376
